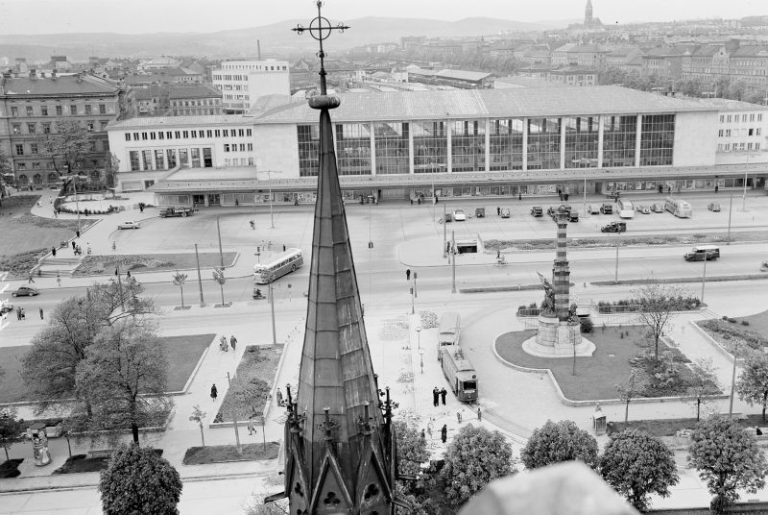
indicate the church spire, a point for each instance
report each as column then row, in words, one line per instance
column 339, row 442
column 588, row 14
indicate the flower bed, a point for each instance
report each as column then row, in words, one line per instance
column 252, row 383
column 632, row 306
column 531, row 310
column 731, row 336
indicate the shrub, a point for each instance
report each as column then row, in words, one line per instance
column 586, row 325
column 744, row 322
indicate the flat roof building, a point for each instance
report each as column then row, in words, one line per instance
column 475, row 142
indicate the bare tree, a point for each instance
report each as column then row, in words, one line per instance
column 628, row 391
column 66, row 146
column 703, row 381
column 657, row 304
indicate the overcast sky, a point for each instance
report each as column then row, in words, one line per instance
column 140, row 16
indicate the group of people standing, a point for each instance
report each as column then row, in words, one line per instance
column 437, row 395
column 223, row 345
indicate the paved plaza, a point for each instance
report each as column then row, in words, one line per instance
column 511, row 401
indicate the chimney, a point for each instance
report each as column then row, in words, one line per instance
column 258, row 50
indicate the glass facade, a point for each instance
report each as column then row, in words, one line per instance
column 468, row 145
column 506, row 140
column 657, row 140
column 391, row 148
column 543, row 143
column 353, row 148
column 309, row 150
column 581, row 141
column 430, row 147
column 619, row 138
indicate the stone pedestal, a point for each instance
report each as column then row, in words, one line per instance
column 556, row 339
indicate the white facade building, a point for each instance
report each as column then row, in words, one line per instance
column 242, row 82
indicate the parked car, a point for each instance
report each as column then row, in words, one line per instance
column 593, row 209
column 657, row 208
column 128, row 225
column 459, row 215
column 642, row 208
column 537, row 211
column 25, row 291
column 176, row 211
column 764, row 266
column 6, row 308
column 479, row 212
column 606, row 208
column 505, row 212
column 714, row 207
column 614, row 227
column 574, row 216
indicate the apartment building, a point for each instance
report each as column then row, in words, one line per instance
column 242, row 82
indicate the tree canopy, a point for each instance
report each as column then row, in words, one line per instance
column 10, row 429
column 727, row 458
column 657, row 305
column 636, row 465
column 475, row 457
column 559, row 441
column 752, row 385
column 66, row 145
column 138, row 480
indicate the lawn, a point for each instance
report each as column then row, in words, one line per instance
column 252, row 383
column 225, row 453
column 597, row 376
column 744, row 333
column 78, row 463
column 23, row 232
column 183, row 353
column 95, row 265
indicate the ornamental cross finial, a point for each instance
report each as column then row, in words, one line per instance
column 320, row 29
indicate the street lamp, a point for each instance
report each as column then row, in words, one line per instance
column 271, row 212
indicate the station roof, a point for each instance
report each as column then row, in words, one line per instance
column 486, row 103
column 180, row 122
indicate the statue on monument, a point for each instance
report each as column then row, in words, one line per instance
column 548, row 304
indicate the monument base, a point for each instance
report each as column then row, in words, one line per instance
column 556, row 339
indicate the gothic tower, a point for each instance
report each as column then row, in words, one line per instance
column 588, row 14
column 339, row 441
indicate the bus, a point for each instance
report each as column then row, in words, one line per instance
column 625, row 208
column 679, row 208
column 449, row 331
column 459, row 372
column 288, row 261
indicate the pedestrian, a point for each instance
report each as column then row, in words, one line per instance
column 408, row 274
column 443, row 393
column 77, row 233
column 30, row 279
column 283, row 247
column 444, row 433
column 53, row 251
column 498, row 211
column 41, row 313
column 223, row 345
column 114, row 245
column 411, row 200
column 232, row 342
column 435, row 396
column 23, row 314
column 479, row 414
column 251, row 427
column 73, row 245
column 717, row 188
column 214, row 392
column 458, row 416
column 128, row 274
column 18, row 313
column 519, row 196
column 58, row 278
column 498, row 254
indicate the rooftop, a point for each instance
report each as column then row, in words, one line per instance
column 197, row 91
column 61, row 85
column 179, row 121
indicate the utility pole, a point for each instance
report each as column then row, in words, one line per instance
column 272, row 307
column 704, row 279
column 199, row 277
column 453, row 260
column 733, row 385
column 616, row 271
column 221, row 254
column 234, row 420
column 445, row 229
column 584, row 200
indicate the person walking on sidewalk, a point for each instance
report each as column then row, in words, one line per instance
column 407, row 274
column 458, row 416
column 444, row 433
column 443, row 393
column 435, row 396
column 53, row 251
column 41, row 313
column 214, row 392
column 479, row 414
column 232, row 342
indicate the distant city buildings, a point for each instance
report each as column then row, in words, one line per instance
column 243, row 82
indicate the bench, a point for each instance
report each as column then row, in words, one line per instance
column 99, row 453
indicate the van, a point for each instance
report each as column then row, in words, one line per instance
column 703, row 252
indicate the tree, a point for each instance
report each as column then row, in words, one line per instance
column 198, row 416
column 66, row 146
column 123, row 366
column 636, row 465
column 559, row 441
column 178, row 280
column 411, row 450
column 121, row 299
column 627, row 391
column 138, row 480
column 752, row 385
column 474, row 458
column 702, row 383
column 727, row 458
column 10, row 429
column 657, row 304
column 218, row 276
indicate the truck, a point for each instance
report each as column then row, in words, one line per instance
column 461, row 375
column 615, row 227
column 176, row 211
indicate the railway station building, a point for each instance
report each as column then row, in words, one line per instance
column 457, row 143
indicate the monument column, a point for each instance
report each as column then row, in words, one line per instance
column 561, row 274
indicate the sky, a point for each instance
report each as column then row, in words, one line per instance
column 146, row 16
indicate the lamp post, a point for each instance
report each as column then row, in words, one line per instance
column 453, row 262
column 199, row 278
column 733, row 384
column 418, row 333
column 271, row 209
column 730, row 212
column 616, row 271
column 744, row 195
column 704, row 279
column 272, row 309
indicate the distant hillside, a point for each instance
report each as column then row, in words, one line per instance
column 276, row 39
